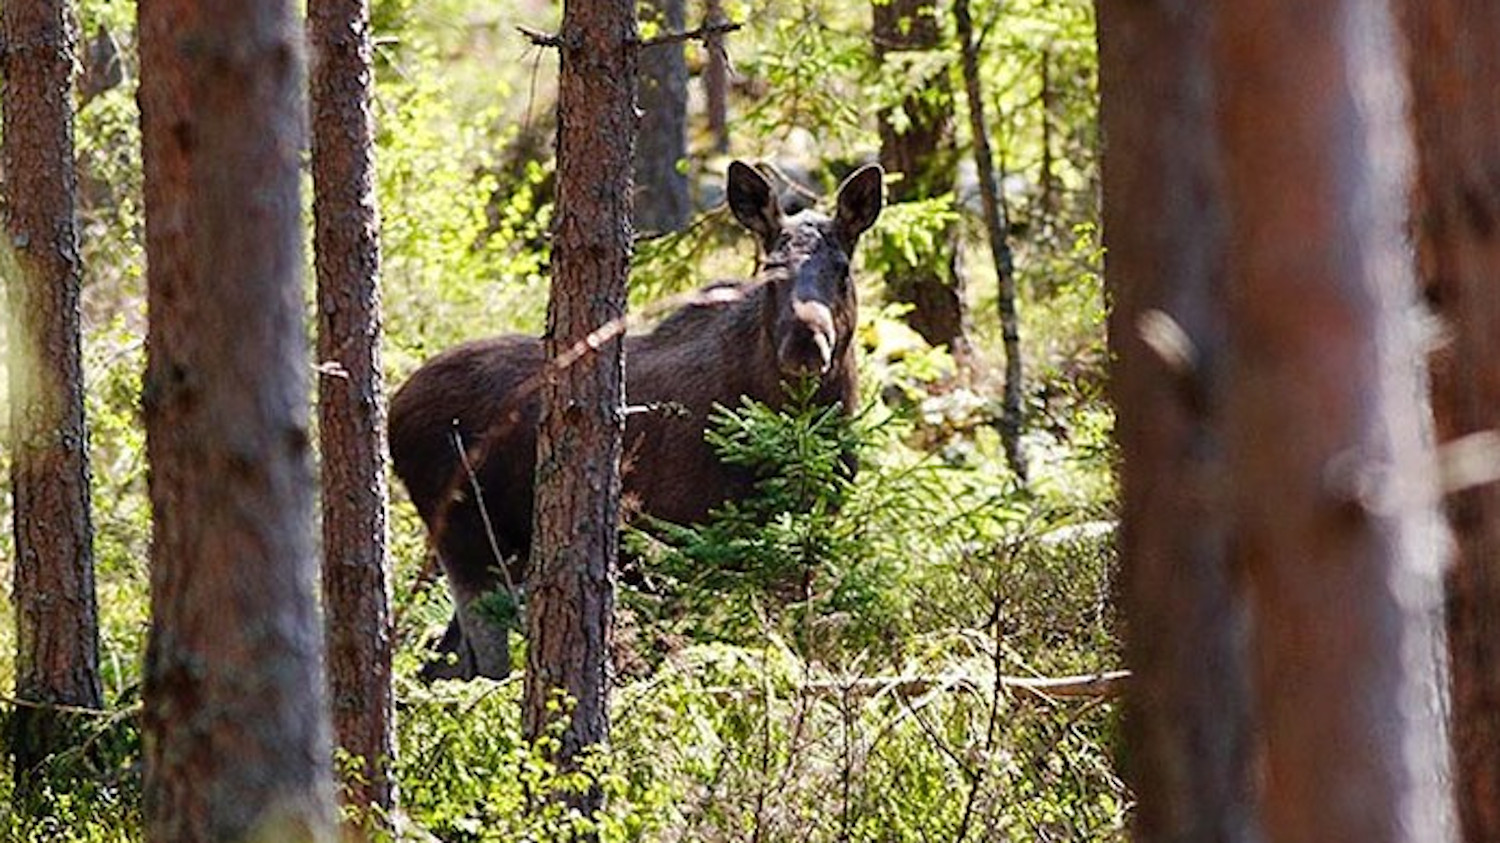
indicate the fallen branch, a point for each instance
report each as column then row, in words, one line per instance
column 1094, row 686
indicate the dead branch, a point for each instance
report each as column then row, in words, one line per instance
column 1106, row 685
column 706, row 33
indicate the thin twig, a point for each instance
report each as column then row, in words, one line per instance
column 63, row 708
column 484, row 513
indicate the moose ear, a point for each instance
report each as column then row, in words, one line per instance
column 859, row 203
column 754, row 203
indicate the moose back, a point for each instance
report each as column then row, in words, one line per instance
column 463, row 427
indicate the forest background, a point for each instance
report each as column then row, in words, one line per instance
column 871, row 710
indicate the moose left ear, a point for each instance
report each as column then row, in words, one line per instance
column 859, row 202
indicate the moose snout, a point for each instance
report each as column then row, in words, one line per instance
column 807, row 346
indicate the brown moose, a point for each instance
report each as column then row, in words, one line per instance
column 795, row 319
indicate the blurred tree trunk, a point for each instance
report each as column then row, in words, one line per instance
column 57, row 637
column 995, row 229
column 1187, row 719
column 351, row 406
column 716, row 78
column 661, row 201
column 234, row 719
column 575, row 544
column 1454, row 55
column 1331, row 482
column 919, row 147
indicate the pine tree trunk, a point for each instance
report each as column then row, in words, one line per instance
column 1331, row 483
column 576, row 535
column 57, row 652
column 662, row 203
column 924, row 160
column 1455, row 69
column 236, row 730
column 1187, row 724
column 351, row 407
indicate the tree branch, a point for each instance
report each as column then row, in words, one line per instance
column 702, row 33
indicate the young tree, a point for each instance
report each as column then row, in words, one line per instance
column 716, row 77
column 236, row 730
column 351, row 404
column 57, row 658
column 577, row 517
column 1188, row 721
column 989, row 196
column 662, row 203
column 1330, row 483
column 920, row 151
column 1455, row 74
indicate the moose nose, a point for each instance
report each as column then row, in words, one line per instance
column 807, row 349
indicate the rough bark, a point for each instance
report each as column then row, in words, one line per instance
column 1455, row 72
column 995, row 229
column 924, row 158
column 576, row 529
column 57, row 639
column 1331, row 483
column 351, row 408
column 236, row 732
column 1187, row 720
column 662, row 203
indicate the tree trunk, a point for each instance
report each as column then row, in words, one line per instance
column 1187, row 719
column 576, row 533
column 994, row 224
column 236, row 731
column 1331, row 483
column 1455, row 69
column 661, row 201
column 351, row 408
column 57, row 650
column 925, row 160
column 716, row 78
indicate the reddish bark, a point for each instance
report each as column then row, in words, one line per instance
column 576, row 536
column 1332, row 485
column 351, row 406
column 236, row 733
column 1188, row 711
column 57, row 642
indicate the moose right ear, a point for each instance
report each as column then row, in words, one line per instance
column 753, row 203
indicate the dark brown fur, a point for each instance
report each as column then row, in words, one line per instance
column 737, row 339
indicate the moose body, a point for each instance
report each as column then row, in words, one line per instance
column 795, row 319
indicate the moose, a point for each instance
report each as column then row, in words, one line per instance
column 463, row 426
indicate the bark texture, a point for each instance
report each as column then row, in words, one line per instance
column 1455, row 71
column 576, row 534
column 236, row 732
column 1188, row 711
column 924, row 158
column 57, row 639
column 662, row 203
column 351, row 407
column 1332, row 483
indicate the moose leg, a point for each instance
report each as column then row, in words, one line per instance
column 451, row 656
column 485, row 646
